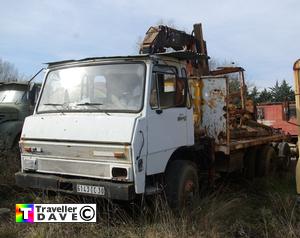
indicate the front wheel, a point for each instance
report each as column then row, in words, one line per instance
column 182, row 184
column 267, row 161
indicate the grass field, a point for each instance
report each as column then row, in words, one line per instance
column 235, row 207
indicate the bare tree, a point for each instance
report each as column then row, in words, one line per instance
column 8, row 72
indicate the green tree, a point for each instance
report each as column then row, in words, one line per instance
column 254, row 94
column 264, row 96
column 234, row 84
column 282, row 92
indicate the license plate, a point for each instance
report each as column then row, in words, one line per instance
column 98, row 190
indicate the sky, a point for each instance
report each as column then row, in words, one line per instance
column 261, row 36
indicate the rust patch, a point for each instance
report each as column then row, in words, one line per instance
column 215, row 94
column 126, row 151
column 211, row 103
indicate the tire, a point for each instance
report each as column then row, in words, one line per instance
column 284, row 157
column 249, row 163
column 266, row 162
column 182, row 185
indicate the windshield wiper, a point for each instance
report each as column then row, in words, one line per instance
column 3, row 98
column 89, row 104
column 55, row 105
column 93, row 104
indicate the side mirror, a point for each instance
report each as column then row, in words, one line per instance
column 31, row 93
column 31, row 86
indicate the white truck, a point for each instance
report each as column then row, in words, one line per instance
column 120, row 127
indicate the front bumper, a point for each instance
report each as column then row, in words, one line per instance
column 113, row 190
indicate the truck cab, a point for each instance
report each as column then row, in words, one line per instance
column 16, row 102
column 102, row 125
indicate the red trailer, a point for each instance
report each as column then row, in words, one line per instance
column 274, row 114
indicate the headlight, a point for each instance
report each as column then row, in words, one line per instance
column 30, row 163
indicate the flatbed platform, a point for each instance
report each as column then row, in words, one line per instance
column 245, row 143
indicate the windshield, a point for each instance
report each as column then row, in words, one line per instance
column 11, row 95
column 115, row 87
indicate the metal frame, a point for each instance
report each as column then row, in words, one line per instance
column 243, row 142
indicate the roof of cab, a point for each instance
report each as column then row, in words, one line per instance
column 179, row 55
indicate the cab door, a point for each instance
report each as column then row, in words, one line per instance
column 167, row 117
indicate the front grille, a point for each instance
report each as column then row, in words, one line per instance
column 83, row 152
column 74, row 167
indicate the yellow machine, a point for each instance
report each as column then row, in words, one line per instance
column 297, row 96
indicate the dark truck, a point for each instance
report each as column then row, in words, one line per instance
column 17, row 100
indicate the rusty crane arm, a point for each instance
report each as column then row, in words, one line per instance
column 159, row 38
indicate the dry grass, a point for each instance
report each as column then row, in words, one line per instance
column 9, row 165
column 235, row 208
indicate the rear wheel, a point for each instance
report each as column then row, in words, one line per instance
column 182, row 185
column 284, row 156
column 266, row 162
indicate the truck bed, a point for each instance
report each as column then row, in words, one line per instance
column 243, row 143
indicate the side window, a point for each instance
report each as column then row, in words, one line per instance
column 260, row 113
column 154, row 94
column 167, row 90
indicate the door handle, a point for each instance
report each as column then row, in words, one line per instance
column 181, row 117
